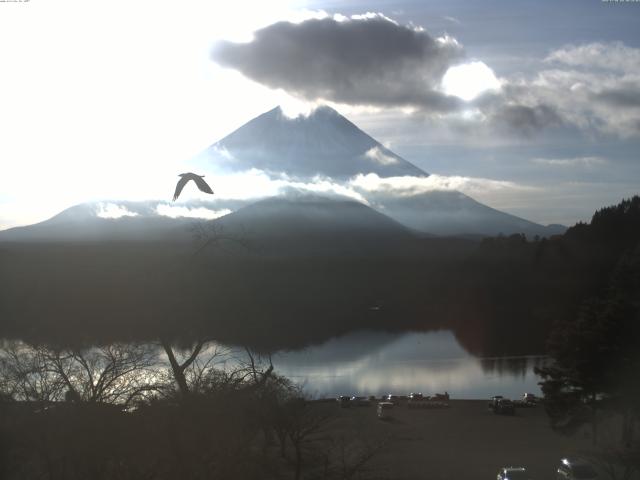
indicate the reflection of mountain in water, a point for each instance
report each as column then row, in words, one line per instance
column 516, row 366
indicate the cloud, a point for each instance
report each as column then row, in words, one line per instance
column 588, row 162
column 377, row 155
column 607, row 56
column 223, row 152
column 579, row 89
column 452, row 20
column 113, row 211
column 255, row 184
column 593, row 87
column 408, row 186
column 372, row 61
column 621, row 96
column 525, row 119
column 362, row 60
column 186, row 212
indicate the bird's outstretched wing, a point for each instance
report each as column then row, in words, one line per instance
column 181, row 183
column 202, row 185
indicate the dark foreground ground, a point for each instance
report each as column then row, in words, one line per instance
column 211, row 437
column 465, row 441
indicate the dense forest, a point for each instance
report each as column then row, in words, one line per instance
column 501, row 295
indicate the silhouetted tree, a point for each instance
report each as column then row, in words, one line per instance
column 179, row 368
column 116, row 374
column 595, row 356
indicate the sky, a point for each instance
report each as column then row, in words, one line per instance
column 531, row 107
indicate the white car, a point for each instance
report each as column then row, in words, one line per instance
column 513, row 473
column 575, row 469
column 384, row 410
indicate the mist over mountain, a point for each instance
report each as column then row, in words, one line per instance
column 149, row 221
column 291, row 225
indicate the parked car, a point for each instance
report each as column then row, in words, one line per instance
column 384, row 410
column 395, row 399
column 575, row 469
column 440, row 397
column 504, row 406
column 513, row 473
column 417, row 400
column 360, row 401
column 494, row 400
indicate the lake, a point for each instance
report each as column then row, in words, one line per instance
column 376, row 363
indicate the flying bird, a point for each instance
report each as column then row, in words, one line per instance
column 184, row 179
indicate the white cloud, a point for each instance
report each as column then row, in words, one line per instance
column 378, row 156
column 452, row 20
column 111, row 210
column 223, row 152
column 255, row 184
column 200, row 212
column 373, row 15
column 409, row 186
column 588, row 162
column 609, row 56
column 594, row 87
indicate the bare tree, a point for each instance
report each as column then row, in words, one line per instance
column 206, row 367
column 179, row 367
column 353, row 457
column 115, row 374
column 210, row 236
column 303, row 426
column 26, row 374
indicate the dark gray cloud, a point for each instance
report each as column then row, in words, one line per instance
column 625, row 96
column 370, row 60
column 525, row 119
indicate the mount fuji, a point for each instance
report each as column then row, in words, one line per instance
column 323, row 146
column 323, row 143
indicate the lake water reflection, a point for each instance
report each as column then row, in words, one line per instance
column 375, row 363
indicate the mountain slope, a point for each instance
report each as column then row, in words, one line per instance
column 453, row 213
column 290, row 225
column 324, row 143
column 108, row 221
column 314, row 225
